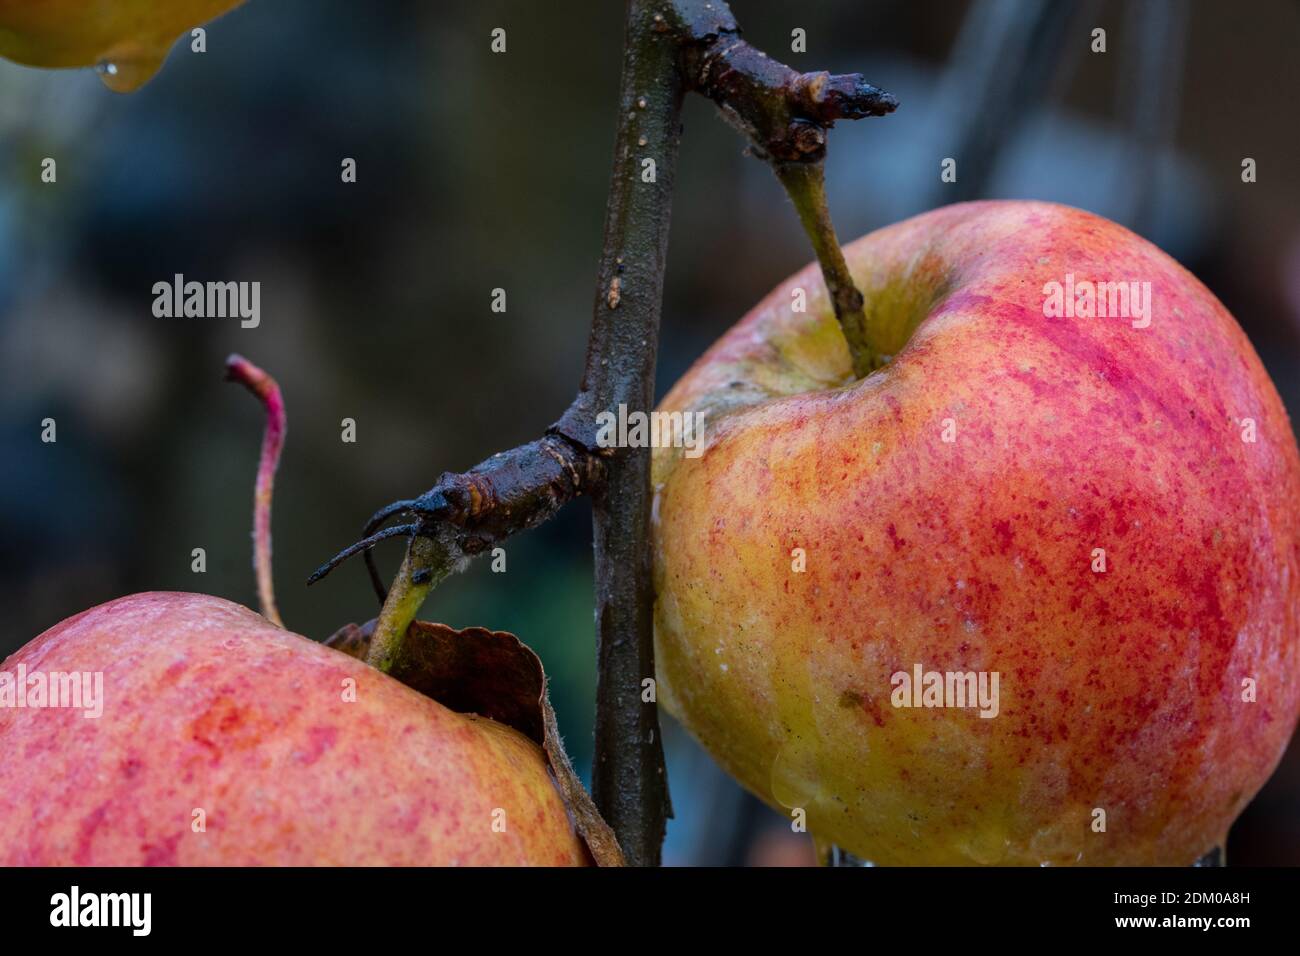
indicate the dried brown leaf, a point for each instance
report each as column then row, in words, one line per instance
column 496, row 675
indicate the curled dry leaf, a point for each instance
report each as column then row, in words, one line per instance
column 351, row 639
column 495, row 675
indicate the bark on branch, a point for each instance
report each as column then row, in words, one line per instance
column 783, row 113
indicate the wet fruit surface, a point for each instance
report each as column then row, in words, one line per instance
column 1100, row 510
column 224, row 740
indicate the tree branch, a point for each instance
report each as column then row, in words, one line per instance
column 629, row 783
column 783, row 113
column 670, row 47
column 464, row 515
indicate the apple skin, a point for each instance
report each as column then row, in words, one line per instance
column 208, row 705
column 1120, row 690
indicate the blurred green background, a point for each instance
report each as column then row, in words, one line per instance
column 478, row 171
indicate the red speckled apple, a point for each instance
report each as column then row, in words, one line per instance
column 208, row 707
column 1100, row 510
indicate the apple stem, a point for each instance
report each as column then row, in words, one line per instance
column 805, row 184
column 785, row 116
column 428, row 561
column 257, row 381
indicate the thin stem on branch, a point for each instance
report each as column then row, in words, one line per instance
column 785, row 115
column 805, row 184
column 241, row 370
column 428, row 560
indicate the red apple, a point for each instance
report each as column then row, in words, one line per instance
column 1103, row 511
column 225, row 740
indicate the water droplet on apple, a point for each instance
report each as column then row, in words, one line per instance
column 989, row 846
column 828, row 854
column 794, row 776
column 128, row 74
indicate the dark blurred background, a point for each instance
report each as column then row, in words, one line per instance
column 478, row 171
